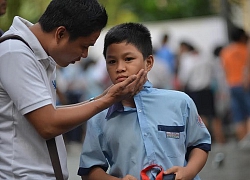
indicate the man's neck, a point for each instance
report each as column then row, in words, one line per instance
column 43, row 37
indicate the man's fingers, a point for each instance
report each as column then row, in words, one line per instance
column 129, row 80
column 140, row 81
column 129, row 87
column 134, row 83
column 142, row 76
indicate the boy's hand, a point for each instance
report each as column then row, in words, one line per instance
column 129, row 177
column 129, row 87
column 180, row 173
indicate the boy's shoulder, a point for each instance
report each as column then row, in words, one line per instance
column 99, row 117
column 166, row 96
column 171, row 93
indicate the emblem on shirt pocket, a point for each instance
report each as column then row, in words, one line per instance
column 175, row 135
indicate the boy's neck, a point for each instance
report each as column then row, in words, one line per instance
column 129, row 102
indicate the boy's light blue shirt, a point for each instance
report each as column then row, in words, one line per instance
column 162, row 129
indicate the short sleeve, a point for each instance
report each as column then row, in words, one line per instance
column 23, row 80
column 92, row 154
column 197, row 133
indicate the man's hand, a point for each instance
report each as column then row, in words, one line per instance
column 129, row 87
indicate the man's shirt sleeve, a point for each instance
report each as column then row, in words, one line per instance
column 23, row 81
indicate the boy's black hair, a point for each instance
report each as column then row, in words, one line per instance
column 79, row 17
column 132, row 33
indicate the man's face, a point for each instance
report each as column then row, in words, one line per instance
column 3, row 6
column 66, row 52
column 123, row 60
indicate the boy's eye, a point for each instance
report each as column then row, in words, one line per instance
column 129, row 59
column 110, row 61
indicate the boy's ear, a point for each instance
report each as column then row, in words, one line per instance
column 149, row 62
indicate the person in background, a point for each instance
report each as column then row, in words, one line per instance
column 3, row 7
column 165, row 53
column 197, row 74
column 165, row 56
column 28, row 112
column 222, row 97
column 160, row 75
column 156, row 126
column 234, row 59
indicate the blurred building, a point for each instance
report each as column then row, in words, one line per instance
column 204, row 32
column 235, row 12
column 246, row 14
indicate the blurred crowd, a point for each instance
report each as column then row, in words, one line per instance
column 218, row 83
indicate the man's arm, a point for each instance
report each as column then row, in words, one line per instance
column 50, row 122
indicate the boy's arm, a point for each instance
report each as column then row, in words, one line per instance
column 196, row 161
column 98, row 173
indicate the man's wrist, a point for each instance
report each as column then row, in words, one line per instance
column 92, row 99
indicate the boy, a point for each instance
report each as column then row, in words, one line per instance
column 155, row 126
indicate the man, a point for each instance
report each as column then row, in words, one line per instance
column 3, row 6
column 28, row 115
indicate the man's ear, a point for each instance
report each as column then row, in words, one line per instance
column 149, row 62
column 60, row 33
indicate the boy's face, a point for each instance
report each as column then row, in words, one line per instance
column 123, row 60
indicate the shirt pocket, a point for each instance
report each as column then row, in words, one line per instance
column 172, row 140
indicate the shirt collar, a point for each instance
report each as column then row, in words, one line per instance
column 20, row 27
column 119, row 107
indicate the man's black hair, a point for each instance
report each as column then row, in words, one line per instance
column 79, row 17
column 132, row 33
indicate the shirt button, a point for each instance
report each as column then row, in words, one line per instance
column 139, row 110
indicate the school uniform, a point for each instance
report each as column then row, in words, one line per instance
column 162, row 129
